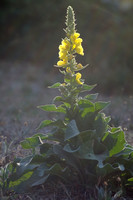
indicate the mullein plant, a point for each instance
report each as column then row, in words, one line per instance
column 81, row 148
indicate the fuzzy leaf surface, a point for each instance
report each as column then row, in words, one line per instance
column 56, row 85
column 72, row 130
column 57, row 123
column 52, row 108
column 31, row 142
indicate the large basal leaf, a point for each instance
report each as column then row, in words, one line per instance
column 52, row 108
column 69, row 149
column 87, row 135
column 42, row 169
column 31, row 171
column 86, row 152
column 100, row 125
column 31, row 142
column 71, row 130
column 98, row 147
column 28, row 180
column 126, row 152
column 57, row 123
column 55, row 170
column 28, row 163
column 44, row 148
column 40, row 181
column 20, row 180
column 115, row 141
column 67, row 157
column 108, row 169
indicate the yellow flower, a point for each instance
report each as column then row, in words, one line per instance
column 62, row 55
column 65, row 44
column 78, row 77
column 79, row 66
column 76, row 43
column 64, row 48
column 68, row 70
column 79, row 50
column 74, row 36
column 61, row 63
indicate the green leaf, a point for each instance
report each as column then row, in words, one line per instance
column 28, row 163
column 58, row 98
column 101, row 105
column 72, row 130
column 59, row 171
column 69, row 158
column 108, row 169
column 100, row 125
column 56, row 169
column 41, row 180
column 130, row 182
column 57, row 123
column 91, row 96
column 45, row 123
column 86, row 87
column 115, row 141
column 31, row 142
column 45, row 147
column 126, row 152
column 86, row 152
column 37, row 176
column 104, row 136
column 130, row 179
column 56, row 85
column 98, row 147
column 37, row 160
column 42, row 136
column 23, row 178
column 68, row 149
column 87, row 135
column 86, row 107
column 52, row 108
column 68, row 105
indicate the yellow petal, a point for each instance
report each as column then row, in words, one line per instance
column 79, row 66
column 62, row 55
column 78, row 41
column 62, row 62
column 79, row 50
column 78, row 76
column 68, row 70
column 74, row 36
column 65, row 44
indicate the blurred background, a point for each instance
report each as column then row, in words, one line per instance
column 31, row 32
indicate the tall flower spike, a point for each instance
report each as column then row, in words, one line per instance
column 70, row 21
column 69, row 46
